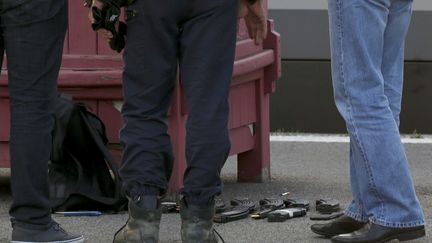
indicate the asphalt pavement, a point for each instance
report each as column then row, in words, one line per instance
column 309, row 170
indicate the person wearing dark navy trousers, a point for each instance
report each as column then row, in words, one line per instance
column 367, row 46
column 32, row 35
column 198, row 37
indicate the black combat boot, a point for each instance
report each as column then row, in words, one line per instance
column 197, row 223
column 143, row 223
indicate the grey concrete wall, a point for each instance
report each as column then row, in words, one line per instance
column 303, row 101
column 423, row 5
column 305, row 34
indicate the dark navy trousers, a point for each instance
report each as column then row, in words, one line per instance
column 32, row 35
column 199, row 38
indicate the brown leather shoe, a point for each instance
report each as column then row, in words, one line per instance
column 341, row 225
column 373, row 233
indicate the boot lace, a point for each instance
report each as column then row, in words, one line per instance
column 220, row 237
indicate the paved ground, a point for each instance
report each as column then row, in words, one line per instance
column 308, row 170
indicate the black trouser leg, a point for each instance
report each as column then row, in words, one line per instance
column 208, row 44
column 202, row 36
column 34, row 52
column 148, row 81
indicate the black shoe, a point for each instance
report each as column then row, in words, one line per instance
column 342, row 225
column 52, row 234
column 373, row 233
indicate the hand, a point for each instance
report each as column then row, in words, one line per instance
column 107, row 35
column 87, row 3
column 256, row 20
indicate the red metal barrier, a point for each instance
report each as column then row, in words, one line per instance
column 92, row 73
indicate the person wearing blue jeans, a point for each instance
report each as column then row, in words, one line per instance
column 367, row 52
column 32, row 35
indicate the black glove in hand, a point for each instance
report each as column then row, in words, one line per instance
column 107, row 18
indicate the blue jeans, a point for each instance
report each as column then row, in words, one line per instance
column 367, row 44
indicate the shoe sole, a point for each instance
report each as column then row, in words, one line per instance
column 322, row 233
column 411, row 235
column 327, row 235
column 400, row 237
column 76, row 240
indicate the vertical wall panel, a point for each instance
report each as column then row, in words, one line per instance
column 81, row 38
column 103, row 47
column 66, row 44
column 4, row 120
